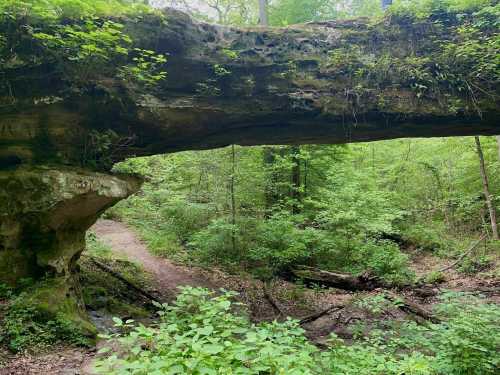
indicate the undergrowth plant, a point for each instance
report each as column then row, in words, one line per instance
column 26, row 326
column 205, row 333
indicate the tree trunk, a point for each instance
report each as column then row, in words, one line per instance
column 263, row 13
column 296, row 188
column 486, row 188
column 233, row 199
column 498, row 146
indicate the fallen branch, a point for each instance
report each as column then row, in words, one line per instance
column 317, row 315
column 412, row 307
column 338, row 280
column 470, row 250
column 271, row 300
column 116, row 275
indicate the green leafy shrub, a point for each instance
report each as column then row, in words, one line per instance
column 214, row 244
column 186, row 219
column 467, row 342
column 426, row 8
column 78, row 37
column 279, row 244
column 200, row 334
column 385, row 259
column 435, row 277
column 424, row 237
column 473, row 265
column 52, row 10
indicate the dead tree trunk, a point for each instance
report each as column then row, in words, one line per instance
column 338, row 280
column 486, row 188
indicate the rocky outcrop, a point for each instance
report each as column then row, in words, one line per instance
column 44, row 214
column 330, row 82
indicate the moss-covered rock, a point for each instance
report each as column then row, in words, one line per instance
column 327, row 82
column 45, row 313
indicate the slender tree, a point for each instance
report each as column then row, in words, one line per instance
column 263, row 12
column 296, row 188
column 233, row 199
column 486, row 188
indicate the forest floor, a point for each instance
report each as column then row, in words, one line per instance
column 266, row 301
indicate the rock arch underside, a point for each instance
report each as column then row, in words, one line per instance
column 328, row 82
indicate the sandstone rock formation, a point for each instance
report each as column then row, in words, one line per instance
column 330, row 82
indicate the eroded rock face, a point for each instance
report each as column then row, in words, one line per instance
column 44, row 214
column 329, row 82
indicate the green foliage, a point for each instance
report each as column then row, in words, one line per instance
column 466, row 343
column 289, row 12
column 200, row 334
column 91, row 43
column 80, row 38
column 426, row 8
column 354, row 204
column 435, row 277
column 279, row 245
column 146, row 69
column 35, row 11
column 6, row 292
column 26, row 326
column 476, row 264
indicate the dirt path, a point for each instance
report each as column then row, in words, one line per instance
column 166, row 275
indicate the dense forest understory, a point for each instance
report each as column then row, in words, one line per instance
column 408, row 212
column 309, row 257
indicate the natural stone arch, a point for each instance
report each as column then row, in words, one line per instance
column 225, row 86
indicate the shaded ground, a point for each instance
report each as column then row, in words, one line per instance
column 60, row 361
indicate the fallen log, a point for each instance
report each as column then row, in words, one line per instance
column 116, row 275
column 274, row 304
column 338, row 280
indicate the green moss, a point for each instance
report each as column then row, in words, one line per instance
column 45, row 314
column 102, row 292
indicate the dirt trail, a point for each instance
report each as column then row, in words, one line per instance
column 166, row 275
